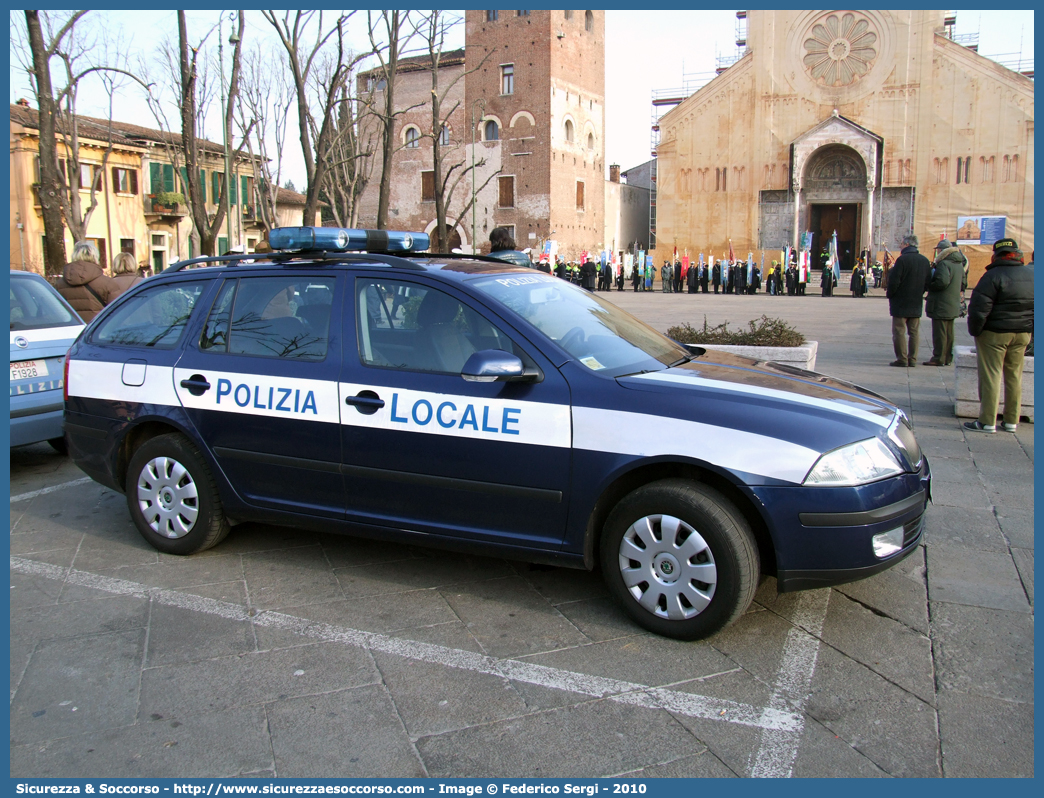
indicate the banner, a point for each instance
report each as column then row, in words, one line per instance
column 833, row 258
column 980, row 229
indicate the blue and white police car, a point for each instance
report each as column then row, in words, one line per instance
column 349, row 382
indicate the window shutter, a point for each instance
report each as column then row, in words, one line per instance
column 507, row 192
column 134, row 181
column 222, row 247
column 216, row 191
column 116, row 179
column 168, row 177
column 203, row 184
column 428, row 186
column 233, row 194
column 184, row 181
column 156, row 178
column 245, row 186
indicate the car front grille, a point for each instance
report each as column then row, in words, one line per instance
column 911, row 529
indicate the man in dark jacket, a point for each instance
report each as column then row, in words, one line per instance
column 588, row 275
column 944, row 300
column 1000, row 318
column 502, row 247
column 907, row 284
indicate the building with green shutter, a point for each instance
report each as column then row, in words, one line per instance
column 140, row 188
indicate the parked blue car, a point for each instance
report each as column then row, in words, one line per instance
column 349, row 382
column 43, row 327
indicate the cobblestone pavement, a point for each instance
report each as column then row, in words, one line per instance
column 284, row 653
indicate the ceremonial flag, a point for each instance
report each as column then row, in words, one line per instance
column 833, row 258
column 685, row 266
column 732, row 255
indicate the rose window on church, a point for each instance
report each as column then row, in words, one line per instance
column 839, row 51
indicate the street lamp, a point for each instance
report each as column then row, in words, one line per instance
column 474, row 231
column 233, row 39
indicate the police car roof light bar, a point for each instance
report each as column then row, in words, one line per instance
column 341, row 239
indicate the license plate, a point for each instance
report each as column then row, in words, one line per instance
column 28, row 369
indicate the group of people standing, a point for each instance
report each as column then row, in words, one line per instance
column 1000, row 318
column 85, row 285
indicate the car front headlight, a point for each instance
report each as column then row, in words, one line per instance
column 855, row 464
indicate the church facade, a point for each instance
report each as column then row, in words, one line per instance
column 873, row 124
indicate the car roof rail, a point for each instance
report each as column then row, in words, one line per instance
column 295, row 258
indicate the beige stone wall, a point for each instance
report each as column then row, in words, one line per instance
column 930, row 100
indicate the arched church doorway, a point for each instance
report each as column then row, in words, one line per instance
column 835, row 191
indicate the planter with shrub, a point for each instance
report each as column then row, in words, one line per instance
column 764, row 339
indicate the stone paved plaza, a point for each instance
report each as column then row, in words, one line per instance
column 286, row 653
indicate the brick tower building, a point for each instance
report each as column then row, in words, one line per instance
column 540, row 101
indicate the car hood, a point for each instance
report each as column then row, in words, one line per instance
column 716, row 374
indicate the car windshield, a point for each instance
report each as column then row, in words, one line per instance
column 595, row 332
column 35, row 305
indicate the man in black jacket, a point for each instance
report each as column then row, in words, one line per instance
column 907, row 283
column 1000, row 318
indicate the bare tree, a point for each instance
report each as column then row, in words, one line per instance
column 266, row 100
column 326, row 53
column 448, row 156
column 351, row 162
column 192, row 96
column 59, row 189
column 394, row 25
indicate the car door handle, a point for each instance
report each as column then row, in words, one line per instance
column 366, row 402
column 196, row 384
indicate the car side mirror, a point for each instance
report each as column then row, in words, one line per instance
column 496, row 365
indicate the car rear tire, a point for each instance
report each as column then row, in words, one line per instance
column 173, row 498
column 680, row 558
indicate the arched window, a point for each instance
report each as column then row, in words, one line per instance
column 411, row 137
column 569, row 130
column 444, row 138
column 568, row 14
column 588, row 20
column 490, row 131
column 590, row 141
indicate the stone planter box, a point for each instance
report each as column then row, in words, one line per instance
column 967, row 403
column 802, row 357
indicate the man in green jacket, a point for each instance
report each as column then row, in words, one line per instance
column 949, row 278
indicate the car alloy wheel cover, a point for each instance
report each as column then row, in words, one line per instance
column 667, row 567
column 167, row 497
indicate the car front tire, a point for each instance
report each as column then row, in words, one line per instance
column 680, row 558
column 173, row 498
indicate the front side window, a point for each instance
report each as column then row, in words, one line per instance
column 153, row 318
column 416, row 328
column 597, row 333
column 284, row 317
column 34, row 305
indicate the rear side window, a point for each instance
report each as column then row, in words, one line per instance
column 34, row 305
column 155, row 317
column 411, row 327
column 279, row 316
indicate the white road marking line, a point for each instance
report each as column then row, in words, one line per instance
column 775, row 719
column 21, row 497
column 778, row 748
